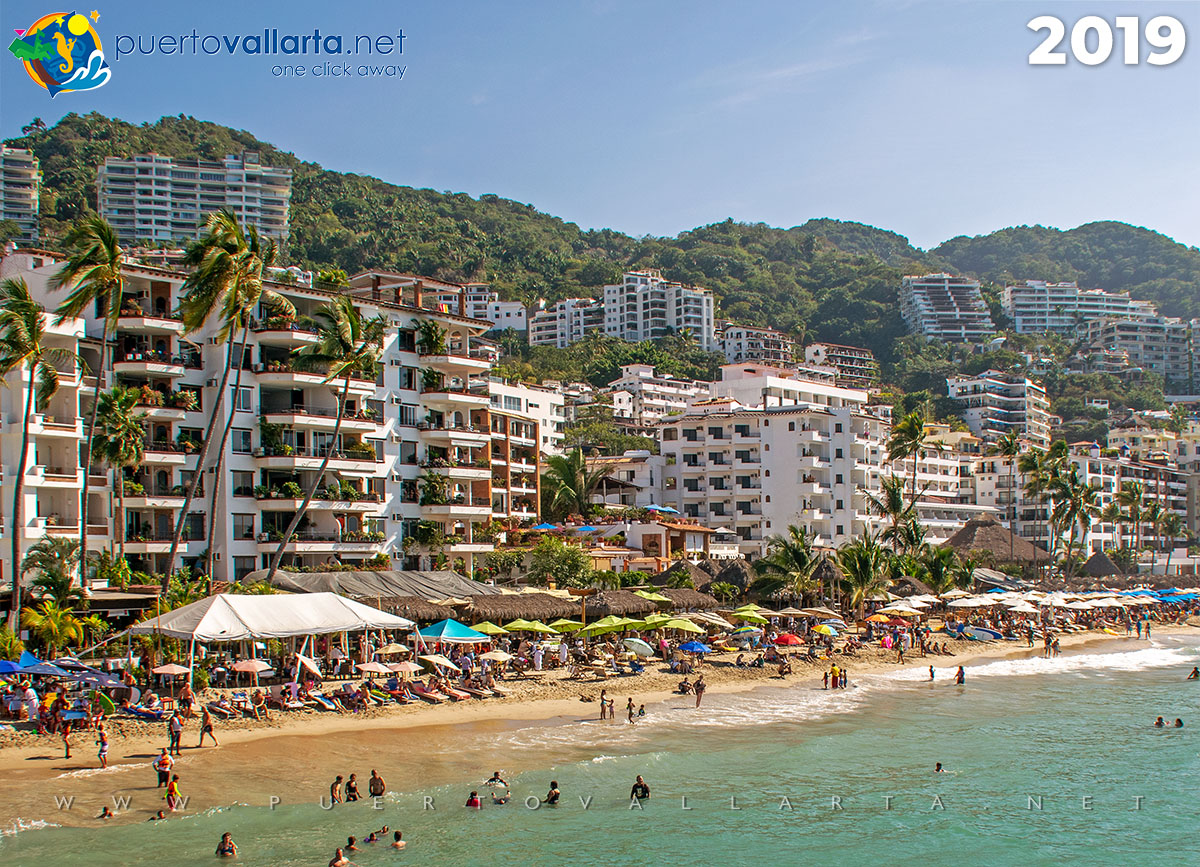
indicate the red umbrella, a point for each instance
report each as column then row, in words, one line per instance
column 897, row 621
column 788, row 638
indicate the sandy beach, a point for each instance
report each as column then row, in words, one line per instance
column 295, row 755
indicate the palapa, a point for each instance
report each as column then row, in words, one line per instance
column 986, row 534
column 683, row 599
column 412, row 607
column 622, row 603
column 682, row 569
column 521, row 606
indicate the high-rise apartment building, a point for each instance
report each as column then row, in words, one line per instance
column 644, row 397
column 856, row 367
column 1036, row 306
column 538, row 403
column 20, row 187
column 756, row 343
column 944, row 307
column 995, row 403
column 156, row 198
column 1162, row 344
column 644, row 306
column 565, row 322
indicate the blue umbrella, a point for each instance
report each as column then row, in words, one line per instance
column 695, row 647
column 667, row 510
column 546, row 527
column 27, row 659
column 7, row 667
column 586, row 528
column 45, row 669
column 453, row 632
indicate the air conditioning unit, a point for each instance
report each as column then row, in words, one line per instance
column 396, row 477
column 395, row 399
column 212, row 383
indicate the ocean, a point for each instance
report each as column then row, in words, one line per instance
column 1047, row 762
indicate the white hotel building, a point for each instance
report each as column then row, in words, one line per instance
column 1036, row 306
column 644, row 306
column 423, row 414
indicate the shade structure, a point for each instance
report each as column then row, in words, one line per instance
column 171, row 669
column 251, row 666
column 586, row 528
column 489, row 628
column 439, row 660
column 545, row 527
column 879, row 618
column 405, row 667
column 393, row 647
column 565, row 625
column 746, row 630
column 747, row 617
column 695, row 647
column 452, row 632
column 519, row 625
column 7, row 667
column 538, row 626
column 822, row 629
column 820, row 611
column 656, row 620
column 788, row 639
column 496, row 656
column 233, row 617
column 639, row 647
column 653, row 597
column 373, row 668
column 666, row 510
column 682, row 625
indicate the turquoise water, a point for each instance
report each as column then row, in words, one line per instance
column 1062, row 731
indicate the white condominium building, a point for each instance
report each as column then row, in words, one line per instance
column 944, row 307
column 856, row 367
column 763, row 386
column 754, row 343
column 538, row 403
column 645, row 397
column 483, row 303
column 420, row 469
column 644, row 306
column 565, row 322
column 1162, row 344
column 20, row 186
column 156, row 198
column 1036, row 306
column 996, row 403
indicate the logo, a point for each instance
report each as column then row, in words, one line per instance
column 62, row 53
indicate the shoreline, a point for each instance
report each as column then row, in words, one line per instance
column 257, row 750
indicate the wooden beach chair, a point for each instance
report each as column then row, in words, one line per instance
column 421, row 691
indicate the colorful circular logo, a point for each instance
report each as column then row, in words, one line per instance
column 62, row 52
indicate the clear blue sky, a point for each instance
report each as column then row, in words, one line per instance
column 655, row 117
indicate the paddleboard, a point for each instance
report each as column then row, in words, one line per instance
column 979, row 633
column 1110, row 631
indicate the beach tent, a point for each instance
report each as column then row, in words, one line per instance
column 232, row 617
column 453, row 632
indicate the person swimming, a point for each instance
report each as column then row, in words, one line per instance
column 1195, row 675
column 397, row 841
column 473, row 801
column 553, row 795
column 105, row 813
column 1178, row 723
column 1158, row 723
column 938, row 769
column 227, row 848
column 495, row 780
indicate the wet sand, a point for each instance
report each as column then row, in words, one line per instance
column 297, row 755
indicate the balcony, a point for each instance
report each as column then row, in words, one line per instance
column 277, row 501
column 444, row 398
column 448, row 435
column 155, row 496
column 156, row 364
column 464, row 470
column 147, row 542
column 462, row 507
column 166, row 453
column 140, row 322
column 349, row 459
column 281, row 331
column 316, row 542
column 45, row 476
column 464, row 547
column 454, row 364
column 320, row 418
column 43, row 424
column 275, row 373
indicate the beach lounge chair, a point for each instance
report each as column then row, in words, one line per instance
column 477, row 692
column 279, row 697
column 222, row 712
column 420, row 691
column 455, row 693
column 324, row 702
column 500, row 691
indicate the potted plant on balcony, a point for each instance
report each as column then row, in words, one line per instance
column 431, row 338
column 291, row 491
column 261, row 492
column 359, row 451
column 183, row 399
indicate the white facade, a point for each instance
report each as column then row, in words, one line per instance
column 20, row 185
column 763, row 386
column 856, row 367
column 1036, row 306
column 633, row 479
column 644, row 306
column 546, row 406
column 944, row 307
column 753, row 343
column 565, row 322
column 996, row 403
column 645, row 397
column 482, row 303
column 156, row 198
column 1162, row 344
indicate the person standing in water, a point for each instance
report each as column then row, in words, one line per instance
column 699, row 687
column 931, row 672
column 960, row 677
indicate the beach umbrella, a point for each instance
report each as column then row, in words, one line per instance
column 630, row 623
column 638, row 646
column 788, row 639
column 565, row 625
column 791, row 612
column 900, row 611
column 7, row 667
column 681, row 624
column 438, row 659
column 452, row 632
column 489, row 628
column 393, row 647
column 519, row 625
column 496, row 656
column 746, row 630
column 748, row 617
column 538, row 626
column 405, row 667
column 896, row 621
column 666, row 510
column 820, row 611
column 545, row 527
column 822, row 629
column 599, row 627
column 653, row 597
column 955, row 594
column 656, row 620
column 171, row 669
column 251, row 666
column 586, row 528
column 373, row 668
column 695, row 647
column 710, row 618
column 879, row 618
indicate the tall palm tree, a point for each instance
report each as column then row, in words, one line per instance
column 1130, row 498
column 22, row 347
column 1076, row 505
column 53, row 625
column 1009, row 447
column 864, row 563
column 942, row 570
column 788, row 565
column 1035, row 467
column 905, row 441
column 571, row 483
column 1152, row 515
column 889, row 503
column 120, row 443
column 346, row 344
column 92, row 272
column 228, row 263
column 1173, row 527
column 1112, row 514
column 53, row 561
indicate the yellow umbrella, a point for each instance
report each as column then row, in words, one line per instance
column 538, row 626
column 824, row 630
column 489, row 628
column 653, row 597
column 655, row 620
column 879, row 618
column 748, row 617
column 518, row 626
column 685, row 625
column 438, row 659
column 564, row 625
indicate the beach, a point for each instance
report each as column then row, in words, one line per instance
column 296, row 755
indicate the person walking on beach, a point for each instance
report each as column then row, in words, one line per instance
column 931, row 672
column 629, row 710
column 1147, row 629
column 1139, row 629
column 844, row 678
column 173, row 802
column 603, row 704
column 376, row 786
column 826, row 679
column 102, row 743
column 206, row 728
column 960, row 677
column 163, row 765
column 699, row 686
column 175, row 727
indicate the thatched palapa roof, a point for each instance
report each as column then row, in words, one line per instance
column 526, row 606
column 690, row 600
column 682, row 568
column 1100, row 565
column 827, row 572
column 986, row 534
column 738, row 573
column 622, row 603
column 412, row 607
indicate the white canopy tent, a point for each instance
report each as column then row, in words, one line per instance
column 233, row 617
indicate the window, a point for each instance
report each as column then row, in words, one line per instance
column 837, row 428
column 841, row 530
column 409, row 377
column 241, row 441
column 242, row 396
column 839, row 507
column 243, row 484
column 837, row 453
column 409, row 414
column 408, row 453
column 193, row 527
column 791, row 425
column 242, row 566
column 512, row 403
column 837, row 480
column 243, row 526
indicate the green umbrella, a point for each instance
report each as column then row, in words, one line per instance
column 564, row 625
column 653, row 597
column 488, row 628
column 655, row 620
column 519, row 626
column 750, row 618
column 538, row 626
column 679, row 623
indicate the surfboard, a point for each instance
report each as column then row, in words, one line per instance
column 1110, row 631
column 979, row 633
column 106, row 703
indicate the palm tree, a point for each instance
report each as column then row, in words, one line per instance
column 53, row 625
column 22, row 335
column 120, row 442
column 1076, row 505
column 1153, row 515
column 92, row 272
column 942, row 570
column 964, row 573
column 1173, row 527
column 1035, row 466
column 571, row 483
column 1009, row 446
column 53, row 561
column 1130, row 498
column 11, row 645
column 1112, row 514
column 227, row 280
column 346, row 344
column 95, row 627
column 889, row 503
column 906, row 440
column 864, row 563
column 787, row 568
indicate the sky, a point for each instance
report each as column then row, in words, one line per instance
column 918, row 116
